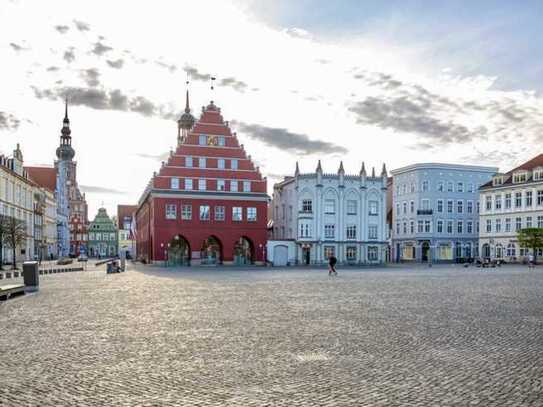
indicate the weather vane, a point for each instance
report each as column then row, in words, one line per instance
column 213, row 82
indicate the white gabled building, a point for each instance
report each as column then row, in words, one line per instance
column 510, row 202
column 316, row 215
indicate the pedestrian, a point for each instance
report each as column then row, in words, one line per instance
column 530, row 261
column 332, row 265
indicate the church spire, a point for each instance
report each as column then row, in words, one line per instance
column 66, row 122
column 187, row 107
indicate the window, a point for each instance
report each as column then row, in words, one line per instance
column 202, row 162
column 440, row 226
column 397, row 228
column 373, row 253
column 528, row 221
column 237, row 214
column 204, row 212
column 507, row 201
column 351, row 232
column 412, row 187
column 469, row 226
column 174, row 183
column 498, row 202
column 450, row 206
column 329, row 231
column 488, row 203
column 425, row 204
column 460, row 187
column 424, row 186
column 305, row 230
column 219, row 213
column 488, row 226
column 171, row 211
column 518, row 224
column 460, row 227
column 220, row 163
column 498, row 225
column 221, row 185
column 307, row 205
column 460, row 206
column 412, row 206
column 373, row 207
column 469, row 206
column 427, row 226
column 420, row 226
column 470, row 187
column 440, row 205
column 540, row 221
column 404, row 229
column 186, row 212
column 511, row 250
column 404, row 207
column 222, row 141
column 329, row 206
column 188, row 161
column 508, row 224
column 351, row 207
column 540, row 197
column 440, row 186
column 234, row 164
column 518, row 199
column 201, row 184
column 519, row 177
column 202, row 140
column 449, row 226
column 188, row 184
column 412, row 226
column 450, row 186
column 398, row 209
column 372, row 232
column 329, row 251
column 478, row 206
column 251, row 214
column 233, row 186
column 246, row 186
column 528, row 199
column 350, row 253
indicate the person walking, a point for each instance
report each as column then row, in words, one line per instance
column 332, row 265
column 531, row 261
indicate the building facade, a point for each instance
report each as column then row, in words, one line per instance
column 317, row 215
column 17, row 201
column 103, row 236
column 435, row 214
column 510, row 202
column 126, row 224
column 208, row 202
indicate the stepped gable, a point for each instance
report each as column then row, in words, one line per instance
column 220, row 143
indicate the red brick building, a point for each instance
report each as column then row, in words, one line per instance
column 208, row 202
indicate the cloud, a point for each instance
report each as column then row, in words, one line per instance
column 63, row 29
column 196, row 75
column 90, row 76
column 234, row 83
column 81, row 25
column 53, row 69
column 157, row 157
column 100, row 190
column 69, row 55
column 170, row 67
column 229, row 81
column 8, row 121
column 298, row 33
column 286, row 140
column 100, row 49
column 100, row 99
column 17, row 47
column 117, row 64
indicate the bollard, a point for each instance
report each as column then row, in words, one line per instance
column 31, row 276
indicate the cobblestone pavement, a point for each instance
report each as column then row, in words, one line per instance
column 445, row 336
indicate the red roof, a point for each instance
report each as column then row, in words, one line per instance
column 125, row 210
column 45, row 177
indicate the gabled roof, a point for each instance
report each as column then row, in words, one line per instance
column 45, row 177
column 535, row 162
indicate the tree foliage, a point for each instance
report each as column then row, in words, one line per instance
column 531, row 238
column 15, row 236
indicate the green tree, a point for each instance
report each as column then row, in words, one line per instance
column 3, row 237
column 531, row 238
column 15, row 236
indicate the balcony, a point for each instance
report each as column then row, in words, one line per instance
column 425, row 212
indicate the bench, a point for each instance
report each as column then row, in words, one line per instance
column 7, row 291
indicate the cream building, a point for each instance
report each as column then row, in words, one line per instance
column 17, row 200
column 510, row 202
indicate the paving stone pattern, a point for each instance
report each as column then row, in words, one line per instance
column 444, row 336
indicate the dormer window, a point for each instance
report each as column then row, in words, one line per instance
column 519, row 177
column 538, row 173
column 497, row 180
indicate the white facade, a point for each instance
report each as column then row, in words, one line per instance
column 325, row 214
column 50, row 232
column 511, row 202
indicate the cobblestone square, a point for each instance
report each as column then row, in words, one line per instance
column 395, row 336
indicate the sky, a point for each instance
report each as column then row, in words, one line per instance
column 395, row 82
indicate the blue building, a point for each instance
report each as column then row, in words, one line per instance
column 435, row 211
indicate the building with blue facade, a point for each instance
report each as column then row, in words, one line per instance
column 435, row 214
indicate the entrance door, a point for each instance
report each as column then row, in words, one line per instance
column 306, row 255
column 425, row 251
column 280, row 255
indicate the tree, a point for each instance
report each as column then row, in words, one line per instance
column 15, row 236
column 531, row 238
column 3, row 237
